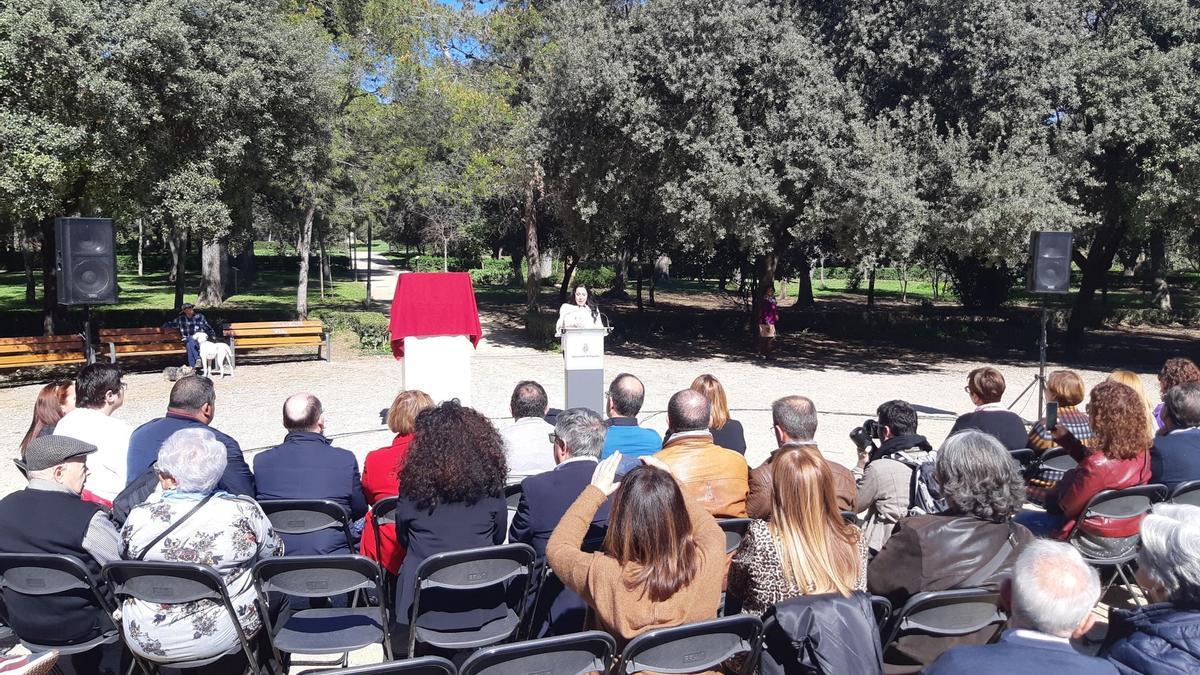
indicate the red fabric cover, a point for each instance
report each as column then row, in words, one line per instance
column 381, row 478
column 433, row 303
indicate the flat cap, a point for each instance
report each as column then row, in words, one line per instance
column 47, row 451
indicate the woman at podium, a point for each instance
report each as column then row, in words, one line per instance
column 582, row 313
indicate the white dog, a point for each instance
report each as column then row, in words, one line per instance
column 214, row 355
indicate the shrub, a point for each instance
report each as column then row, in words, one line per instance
column 595, row 278
column 492, row 273
column 370, row 327
column 433, row 263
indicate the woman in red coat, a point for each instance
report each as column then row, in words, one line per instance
column 381, row 474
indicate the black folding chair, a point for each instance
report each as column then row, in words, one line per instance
column 426, row 665
column 171, row 583
column 1022, row 456
column 944, row 614
column 852, row 641
column 381, row 514
column 1058, row 459
column 735, row 532
column 1118, row 504
column 324, row 630
column 37, row 574
column 882, row 607
column 1187, row 492
column 512, row 495
column 462, row 572
column 589, row 652
column 306, row 516
column 543, row 600
column 691, row 648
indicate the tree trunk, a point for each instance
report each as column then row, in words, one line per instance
column 1101, row 253
column 141, row 244
column 640, row 274
column 871, row 290
column 49, row 278
column 804, row 295
column 214, row 272
column 515, row 263
column 445, row 254
column 173, row 245
column 653, row 282
column 783, row 289
column 323, row 264
column 182, row 243
column 621, row 272
column 27, row 260
column 304, row 243
column 1160, row 288
column 569, row 264
column 533, row 280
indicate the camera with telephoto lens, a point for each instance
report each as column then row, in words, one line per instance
column 862, row 435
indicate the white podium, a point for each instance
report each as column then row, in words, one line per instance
column 583, row 352
column 439, row 365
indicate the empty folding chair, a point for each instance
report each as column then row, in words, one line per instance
column 938, row 614
column 44, row 575
column 589, row 652
column 692, row 647
column 1129, row 502
column 170, row 583
column 426, row 665
column 825, row 634
column 299, row 517
column 324, row 630
column 1187, row 492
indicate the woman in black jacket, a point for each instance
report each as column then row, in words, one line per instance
column 726, row 432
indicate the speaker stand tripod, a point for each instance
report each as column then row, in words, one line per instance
column 89, row 351
column 1040, row 379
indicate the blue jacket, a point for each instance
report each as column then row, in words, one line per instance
column 545, row 498
column 1156, row 640
column 1175, row 458
column 307, row 466
column 146, row 440
column 624, row 435
column 1017, row 654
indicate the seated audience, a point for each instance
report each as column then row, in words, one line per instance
column 307, row 466
column 663, row 560
column 1065, row 388
column 985, row 386
column 1049, row 598
column 54, row 400
column 972, row 544
column 795, row 421
column 625, row 397
column 1130, row 379
column 381, row 474
column 1175, row 455
column 192, row 405
column 1174, row 372
column 884, row 473
column 99, row 391
column 579, row 437
column 527, row 440
column 206, row 526
column 726, row 431
column 714, row 476
column 1164, row 636
column 806, row 547
column 48, row 517
column 1117, row 459
column 452, row 499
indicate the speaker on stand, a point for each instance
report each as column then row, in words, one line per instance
column 1049, row 274
column 86, row 266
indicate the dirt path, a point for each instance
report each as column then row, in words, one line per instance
column 383, row 274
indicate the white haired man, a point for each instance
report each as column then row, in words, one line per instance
column 1050, row 598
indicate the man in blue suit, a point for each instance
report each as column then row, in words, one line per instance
column 545, row 498
column 307, row 466
column 1050, row 595
column 1175, row 455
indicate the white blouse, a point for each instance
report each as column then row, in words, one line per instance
column 571, row 315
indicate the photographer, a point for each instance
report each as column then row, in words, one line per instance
column 886, row 473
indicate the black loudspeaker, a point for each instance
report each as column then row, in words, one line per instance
column 1050, row 262
column 87, row 261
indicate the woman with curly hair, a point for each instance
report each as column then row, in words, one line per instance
column 1174, row 372
column 451, row 498
column 1118, row 458
column 972, row 544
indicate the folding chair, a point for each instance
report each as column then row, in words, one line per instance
column 324, row 630
column 1057, row 458
column 473, row 570
column 37, row 574
column 589, row 652
column 170, row 583
column 542, row 601
column 735, row 531
column 512, row 495
column 1118, row 504
column 382, row 513
column 1187, row 492
column 853, row 640
column 944, row 614
column 882, row 607
column 1022, row 456
column 306, row 516
column 691, row 648
column 426, row 665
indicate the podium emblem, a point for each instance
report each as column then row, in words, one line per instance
column 585, row 348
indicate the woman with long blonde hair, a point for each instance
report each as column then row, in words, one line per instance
column 726, row 431
column 806, row 547
column 1130, row 379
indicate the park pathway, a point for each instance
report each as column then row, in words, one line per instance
column 383, row 274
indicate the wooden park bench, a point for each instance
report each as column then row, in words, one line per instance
column 24, row 352
column 126, row 342
column 273, row 334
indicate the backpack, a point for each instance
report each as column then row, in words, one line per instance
column 924, row 494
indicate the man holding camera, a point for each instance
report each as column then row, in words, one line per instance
column 885, row 472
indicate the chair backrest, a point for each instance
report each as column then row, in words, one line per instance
column 945, row 613
column 317, row 576
column 1022, row 456
column 166, row 583
column 692, row 647
column 424, row 665
column 882, row 607
column 305, row 516
column 512, row 495
column 589, row 652
column 1057, row 458
column 1124, row 503
column 735, row 531
column 383, row 512
column 475, row 568
column 47, row 574
column 1187, row 492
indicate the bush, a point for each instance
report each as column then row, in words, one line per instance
column 370, row 327
column 979, row 284
column 433, row 263
column 492, row 273
column 595, row 278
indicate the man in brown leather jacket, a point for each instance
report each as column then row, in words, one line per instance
column 795, row 419
column 706, row 472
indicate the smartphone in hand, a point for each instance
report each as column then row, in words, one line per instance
column 1051, row 414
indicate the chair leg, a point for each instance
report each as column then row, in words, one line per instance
column 1137, row 600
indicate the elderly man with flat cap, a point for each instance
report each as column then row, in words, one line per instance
column 49, row 517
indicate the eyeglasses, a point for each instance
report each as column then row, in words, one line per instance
column 553, row 437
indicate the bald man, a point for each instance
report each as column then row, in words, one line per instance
column 307, row 466
column 716, row 477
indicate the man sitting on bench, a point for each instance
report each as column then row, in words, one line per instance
column 189, row 322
